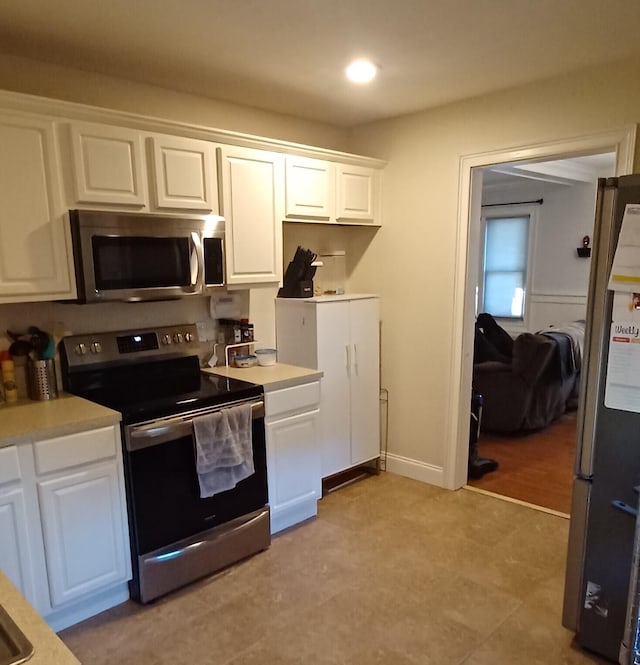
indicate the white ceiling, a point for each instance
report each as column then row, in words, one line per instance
column 566, row 172
column 289, row 55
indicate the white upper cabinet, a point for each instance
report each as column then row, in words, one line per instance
column 252, row 205
column 322, row 191
column 356, row 193
column 35, row 259
column 108, row 165
column 310, row 193
column 184, row 173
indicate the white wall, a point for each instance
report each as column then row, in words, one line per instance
column 411, row 261
column 559, row 278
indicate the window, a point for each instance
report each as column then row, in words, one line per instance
column 503, row 282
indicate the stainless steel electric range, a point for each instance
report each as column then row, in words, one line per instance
column 153, row 377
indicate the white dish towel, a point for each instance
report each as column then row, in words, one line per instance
column 224, row 451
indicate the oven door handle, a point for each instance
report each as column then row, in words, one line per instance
column 170, row 429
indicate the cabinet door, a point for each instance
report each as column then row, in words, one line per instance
column 334, row 359
column 108, row 165
column 293, row 468
column 35, row 261
column 356, row 193
column 184, row 173
column 15, row 557
column 365, row 380
column 83, row 528
column 252, row 205
column 310, row 189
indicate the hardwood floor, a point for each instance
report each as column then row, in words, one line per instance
column 536, row 468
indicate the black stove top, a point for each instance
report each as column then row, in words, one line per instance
column 145, row 379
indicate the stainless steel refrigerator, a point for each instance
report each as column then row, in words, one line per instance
column 604, row 503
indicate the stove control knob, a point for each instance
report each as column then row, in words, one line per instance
column 96, row 347
column 81, row 349
column 166, row 339
column 188, row 337
column 177, row 338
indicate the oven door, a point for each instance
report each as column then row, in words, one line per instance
column 163, row 490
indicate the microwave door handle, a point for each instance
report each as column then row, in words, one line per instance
column 195, row 261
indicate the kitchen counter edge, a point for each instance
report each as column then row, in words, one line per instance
column 48, row 648
column 272, row 377
column 28, row 421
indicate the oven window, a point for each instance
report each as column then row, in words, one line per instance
column 135, row 262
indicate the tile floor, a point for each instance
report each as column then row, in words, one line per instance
column 392, row 571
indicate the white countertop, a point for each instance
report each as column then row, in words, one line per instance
column 48, row 648
column 272, row 377
column 28, row 420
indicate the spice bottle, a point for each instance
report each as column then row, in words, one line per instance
column 246, row 330
column 9, row 381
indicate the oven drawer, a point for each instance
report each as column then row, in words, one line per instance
column 65, row 451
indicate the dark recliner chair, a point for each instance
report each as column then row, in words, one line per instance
column 526, row 391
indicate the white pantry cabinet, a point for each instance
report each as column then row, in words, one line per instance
column 184, row 173
column 108, row 165
column 293, row 453
column 324, row 191
column 340, row 336
column 252, row 184
column 35, row 261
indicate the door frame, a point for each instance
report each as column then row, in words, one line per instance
column 622, row 142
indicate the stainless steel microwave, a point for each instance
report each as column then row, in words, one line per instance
column 136, row 257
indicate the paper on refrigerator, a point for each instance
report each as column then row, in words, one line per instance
column 625, row 271
column 622, row 388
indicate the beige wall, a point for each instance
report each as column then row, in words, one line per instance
column 410, row 261
column 38, row 78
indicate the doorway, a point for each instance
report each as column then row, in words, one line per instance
column 533, row 280
column 620, row 142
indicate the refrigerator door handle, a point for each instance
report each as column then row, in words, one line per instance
column 625, row 508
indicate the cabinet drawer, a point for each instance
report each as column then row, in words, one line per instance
column 9, row 464
column 80, row 448
column 290, row 400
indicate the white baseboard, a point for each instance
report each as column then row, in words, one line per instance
column 79, row 611
column 411, row 468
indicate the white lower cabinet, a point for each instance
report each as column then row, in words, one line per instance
column 82, row 529
column 293, row 454
column 68, row 548
column 15, row 557
column 16, row 560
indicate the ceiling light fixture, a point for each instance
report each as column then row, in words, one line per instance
column 361, row 71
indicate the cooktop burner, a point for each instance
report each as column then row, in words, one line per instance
column 145, row 374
